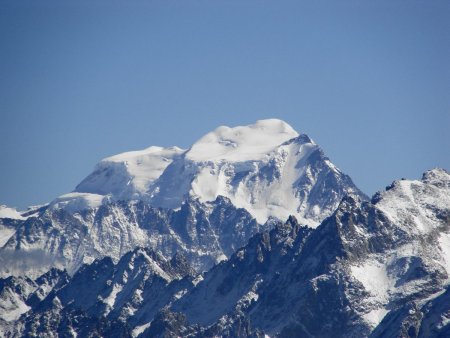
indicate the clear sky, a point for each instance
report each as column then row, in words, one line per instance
column 81, row 80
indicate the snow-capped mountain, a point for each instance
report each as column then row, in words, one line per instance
column 202, row 201
column 377, row 268
column 168, row 242
column 126, row 176
column 266, row 168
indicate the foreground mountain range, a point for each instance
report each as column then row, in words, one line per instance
column 172, row 242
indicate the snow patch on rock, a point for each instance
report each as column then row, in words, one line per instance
column 7, row 212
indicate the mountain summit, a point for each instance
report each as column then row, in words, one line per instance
column 267, row 168
column 204, row 202
column 243, row 143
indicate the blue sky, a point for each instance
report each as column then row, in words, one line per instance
column 367, row 80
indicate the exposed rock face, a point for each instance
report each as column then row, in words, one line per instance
column 377, row 268
column 18, row 295
column 104, row 297
column 204, row 233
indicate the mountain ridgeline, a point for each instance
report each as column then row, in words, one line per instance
column 205, row 202
column 251, row 232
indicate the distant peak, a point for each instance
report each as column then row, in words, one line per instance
column 128, row 174
column 436, row 176
column 242, row 143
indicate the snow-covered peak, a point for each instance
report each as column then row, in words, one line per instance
column 78, row 201
column 243, row 143
column 275, row 174
column 437, row 176
column 7, row 212
column 128, row 175
column 267, row 168
column 412, row 204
